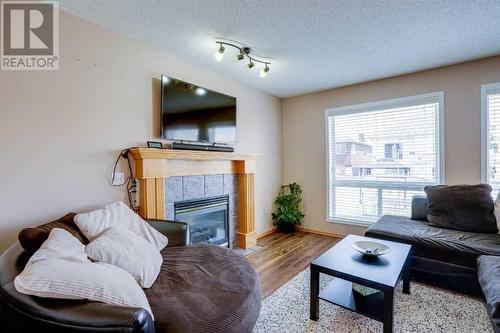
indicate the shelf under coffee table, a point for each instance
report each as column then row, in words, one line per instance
column 339, row 292
column 347, row 266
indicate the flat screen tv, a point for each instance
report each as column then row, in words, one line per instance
column 196, row 114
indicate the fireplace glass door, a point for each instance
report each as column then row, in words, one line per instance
column 208, row 219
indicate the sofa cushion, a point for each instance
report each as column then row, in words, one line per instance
column 119, row 215
column 32, row 238
column 461, row 207
column 451, row 246
column 419, row 208
column 204, row 288
column 122, row 248
column 488, row 269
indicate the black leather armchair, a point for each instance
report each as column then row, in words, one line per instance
column 24, row 313
column 177, row 232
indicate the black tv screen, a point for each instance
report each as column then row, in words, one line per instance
column 193, row 113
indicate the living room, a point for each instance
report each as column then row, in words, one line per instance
column 343, row 174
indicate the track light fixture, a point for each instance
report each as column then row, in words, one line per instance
column 243, row 52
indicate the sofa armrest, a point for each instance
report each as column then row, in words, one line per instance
column 176, row 232
column 77, row 317
column 25, row 313
column 419, row 208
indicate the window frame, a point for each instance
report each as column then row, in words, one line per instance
column 433, row 97
column 486, row 89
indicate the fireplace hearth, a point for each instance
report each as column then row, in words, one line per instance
column 208, row 219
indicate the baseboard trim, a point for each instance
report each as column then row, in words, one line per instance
column 322, row 233
column 311, row 231
column 267, row 233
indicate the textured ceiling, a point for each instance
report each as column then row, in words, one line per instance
column 313, row 45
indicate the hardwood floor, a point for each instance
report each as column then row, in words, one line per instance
column 286, row 255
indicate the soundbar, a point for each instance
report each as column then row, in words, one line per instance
column 192, row 146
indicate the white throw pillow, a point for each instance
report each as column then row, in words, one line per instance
column 123, row 248
column 93, row 223
column 497, row 211
column 61, row 269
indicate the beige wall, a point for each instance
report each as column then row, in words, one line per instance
column 61, row 131
column 304, row 128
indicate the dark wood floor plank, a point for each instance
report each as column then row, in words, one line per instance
column 286, row 255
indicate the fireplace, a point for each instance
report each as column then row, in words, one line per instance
column 208, row 219
column 167, row 176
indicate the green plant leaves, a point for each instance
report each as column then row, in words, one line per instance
column 288, row 205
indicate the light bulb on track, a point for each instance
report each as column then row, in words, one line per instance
column 264, row 71
column 239, row 57
column 220, row 53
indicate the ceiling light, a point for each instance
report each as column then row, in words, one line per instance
column 250, row 65
column 220, row 53
column 240, row 56
column 200, row 91
column 264, row 71
column 244, row 51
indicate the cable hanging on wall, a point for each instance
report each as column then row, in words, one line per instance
column 129, row 182
column 243, row 52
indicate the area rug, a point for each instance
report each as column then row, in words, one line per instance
column 427, row 309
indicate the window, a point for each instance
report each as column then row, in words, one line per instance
column 490, row 132
column 341, row 148
column 394, row 151
column 380, row 155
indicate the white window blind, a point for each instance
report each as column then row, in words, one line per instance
column 491, row 134
column 380, row 155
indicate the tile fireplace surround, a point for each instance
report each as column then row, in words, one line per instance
column 180, row 188
column 166, row 176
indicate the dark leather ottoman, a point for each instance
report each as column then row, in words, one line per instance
column 205, row 288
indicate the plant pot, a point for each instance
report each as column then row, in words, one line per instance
column 286, row 228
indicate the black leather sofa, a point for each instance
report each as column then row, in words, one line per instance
column 24, row 313
column 446, row 257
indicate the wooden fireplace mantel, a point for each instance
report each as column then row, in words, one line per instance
column 152, row 166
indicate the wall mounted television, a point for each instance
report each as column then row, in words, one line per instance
column 196, row 114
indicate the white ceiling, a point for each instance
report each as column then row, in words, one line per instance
column 313, row 45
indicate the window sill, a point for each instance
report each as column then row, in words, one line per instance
column 356, row 223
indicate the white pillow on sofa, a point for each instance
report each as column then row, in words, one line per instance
column 123, row 248
column 93, row 223
column 61, row 269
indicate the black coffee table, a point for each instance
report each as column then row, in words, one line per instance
column 347, row 266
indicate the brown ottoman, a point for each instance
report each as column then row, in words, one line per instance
column 204, row 288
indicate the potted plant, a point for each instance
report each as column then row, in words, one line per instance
column 288, row 213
